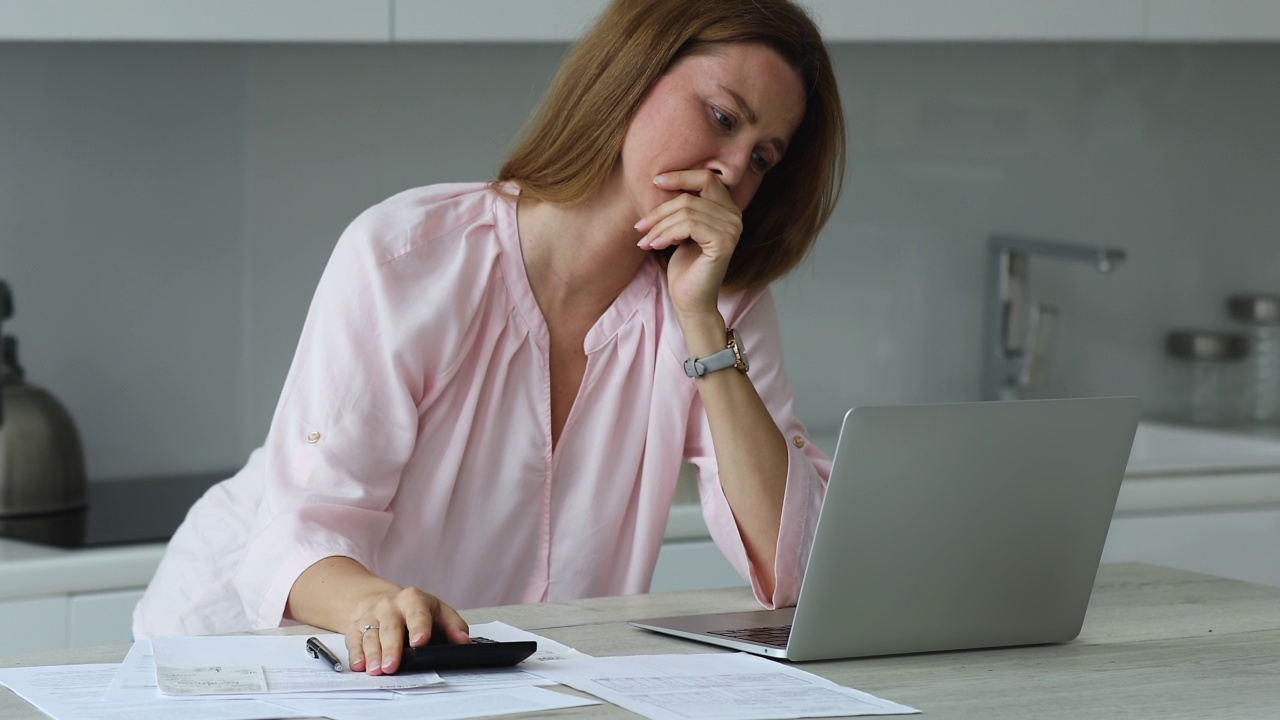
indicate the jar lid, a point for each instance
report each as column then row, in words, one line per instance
column 1254, row 308
column 1206, row 345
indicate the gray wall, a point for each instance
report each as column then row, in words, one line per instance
column 165, row 211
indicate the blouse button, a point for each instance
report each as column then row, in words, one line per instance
column 797, row 441
column 313, row 437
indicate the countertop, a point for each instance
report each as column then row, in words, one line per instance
column 28, row 570
column 1156, row 643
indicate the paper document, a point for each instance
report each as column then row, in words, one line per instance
column 286, row 666
column 217, row 680
column 442, row 706
column 548, row 649
column 480, row 679
column 136, row 680
column 75, row 692
column 725, row 686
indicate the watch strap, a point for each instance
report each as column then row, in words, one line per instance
column 697, row 367
column 732, row 356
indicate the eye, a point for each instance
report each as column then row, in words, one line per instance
column 721, row 119
column 760, row 161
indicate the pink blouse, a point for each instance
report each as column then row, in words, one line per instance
column 413, row 434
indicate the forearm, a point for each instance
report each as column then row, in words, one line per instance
column 750, row 451
column 327, row 593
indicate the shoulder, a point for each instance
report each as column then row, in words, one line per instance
column 412, row 273
column 419, row 221
column 421, row 257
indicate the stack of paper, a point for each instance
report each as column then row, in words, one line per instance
column 253, row 677
column 724, row 686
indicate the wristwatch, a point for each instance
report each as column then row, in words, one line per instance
column 733, row 356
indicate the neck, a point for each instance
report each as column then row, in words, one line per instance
column 579, row 257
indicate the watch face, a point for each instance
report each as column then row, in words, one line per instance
column 739, row 352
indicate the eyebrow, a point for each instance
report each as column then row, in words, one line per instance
column 750, row 114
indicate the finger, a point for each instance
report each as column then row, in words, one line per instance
column 391, row 637
column 705, row 183
column 688, row 201
column 418, row 622
column 709, row 233
column 355, row 649
column 449, row 622
column 371, row 643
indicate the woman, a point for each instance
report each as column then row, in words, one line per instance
column 496, row 384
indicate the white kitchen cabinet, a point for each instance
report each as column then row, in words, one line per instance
column 197, row 20
column 33, row 625
column 692, row 565
column 1242, row 545
column 493, row 20
column 979, row 20
column 104, row 618
column 1213, row 20
column 841, row 20
column 382, row 21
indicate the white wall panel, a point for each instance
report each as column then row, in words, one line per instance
column 197, row 20
column 877, row 20
column 33, row 625
column 1210, row 20
column 493, row 20
column 101, row 618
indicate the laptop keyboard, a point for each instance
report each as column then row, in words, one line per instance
column 771, row 636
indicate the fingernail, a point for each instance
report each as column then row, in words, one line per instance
column 418, row 638
column 639, row 223
column 644, row 242
column 386, row 664
column 660, row 180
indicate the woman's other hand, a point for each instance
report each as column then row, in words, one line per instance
column 375, row 638
column 339, row 594
column 705, row 224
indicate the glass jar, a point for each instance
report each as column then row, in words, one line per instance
column 1262, row 315
column 1206, row 375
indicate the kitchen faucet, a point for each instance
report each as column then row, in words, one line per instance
column 1016, row 340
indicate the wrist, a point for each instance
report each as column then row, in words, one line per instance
column 703, row 334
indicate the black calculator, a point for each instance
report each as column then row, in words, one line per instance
column 440, row 654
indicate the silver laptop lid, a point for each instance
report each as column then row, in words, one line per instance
column 962, row 525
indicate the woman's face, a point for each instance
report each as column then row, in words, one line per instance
column 731, row 111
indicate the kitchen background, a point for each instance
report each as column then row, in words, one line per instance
column 166, row 210
column 167, row 207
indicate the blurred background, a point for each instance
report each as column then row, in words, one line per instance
column 166, row 210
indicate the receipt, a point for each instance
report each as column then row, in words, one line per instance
column 211, row 680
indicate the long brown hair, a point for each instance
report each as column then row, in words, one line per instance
column 575, row 139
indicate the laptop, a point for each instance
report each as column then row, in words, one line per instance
column 948, row 527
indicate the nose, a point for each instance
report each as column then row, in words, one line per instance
column 730, row 168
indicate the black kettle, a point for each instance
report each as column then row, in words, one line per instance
column 42, row 469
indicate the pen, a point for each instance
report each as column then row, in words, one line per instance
column 316, row 649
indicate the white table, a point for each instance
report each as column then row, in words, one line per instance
column 1157, row 643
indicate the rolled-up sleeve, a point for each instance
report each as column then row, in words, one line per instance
column 755, row 319
column 342, row 432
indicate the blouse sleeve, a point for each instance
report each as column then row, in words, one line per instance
column 755, row 320
column 345, row 426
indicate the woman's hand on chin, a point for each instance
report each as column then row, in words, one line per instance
column 704, row 225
